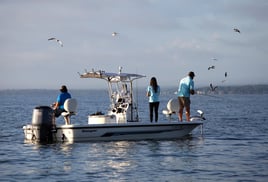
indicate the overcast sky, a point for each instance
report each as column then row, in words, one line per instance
column 161, row 38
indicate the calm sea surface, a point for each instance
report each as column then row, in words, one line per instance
column 233, row 147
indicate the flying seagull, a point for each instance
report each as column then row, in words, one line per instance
column 211, row 67
column 114, row 34
column 57, row 40
column 214, row 59
column 237, row 30
column 212, row 88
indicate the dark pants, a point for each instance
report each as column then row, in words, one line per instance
column 57, row 112
column 153, row 106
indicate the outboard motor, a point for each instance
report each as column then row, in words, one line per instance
column 42, row 120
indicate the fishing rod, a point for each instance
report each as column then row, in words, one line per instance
column 207, row 95
column 200, row 93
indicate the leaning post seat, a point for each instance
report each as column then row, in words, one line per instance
column 172, row 107
column 70, row 107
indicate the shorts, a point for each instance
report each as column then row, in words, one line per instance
column 184, row 102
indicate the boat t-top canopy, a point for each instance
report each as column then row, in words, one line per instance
column 111, row 77
column 120, row 88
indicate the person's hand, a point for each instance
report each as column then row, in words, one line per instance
column 53, row 105
column 192, row 92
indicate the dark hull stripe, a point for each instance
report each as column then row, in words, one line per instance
column 135, row 133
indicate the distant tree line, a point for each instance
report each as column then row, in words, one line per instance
column 244, row 89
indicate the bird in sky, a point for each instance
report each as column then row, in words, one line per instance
column 211, row 67
column 237, row 30
column 114, row 34
column 57, row 40
column 212, row 88
column 214, row 59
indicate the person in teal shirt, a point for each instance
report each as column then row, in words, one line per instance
column 153, row 92
column 186, row 88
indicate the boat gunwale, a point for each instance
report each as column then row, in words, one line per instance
column 126, row 125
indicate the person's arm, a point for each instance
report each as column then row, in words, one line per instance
column 192, row 92
column 57, row 105
column 148, row 94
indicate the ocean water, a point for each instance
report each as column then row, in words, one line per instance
column 233, row 147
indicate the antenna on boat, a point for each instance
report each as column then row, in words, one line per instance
column 120, row 69
column 137, row 100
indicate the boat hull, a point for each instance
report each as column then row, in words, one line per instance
column 113, row 132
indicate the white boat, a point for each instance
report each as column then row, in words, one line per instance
column 121, row 122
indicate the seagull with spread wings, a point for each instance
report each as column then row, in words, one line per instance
column 211, row 67
column 114, row 34
column 57, row 40
column 212, row 88
column 237, row 30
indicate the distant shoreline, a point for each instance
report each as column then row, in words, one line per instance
column 243, row 89
column 239, row 89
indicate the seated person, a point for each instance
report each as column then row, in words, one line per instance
column 58, row 106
